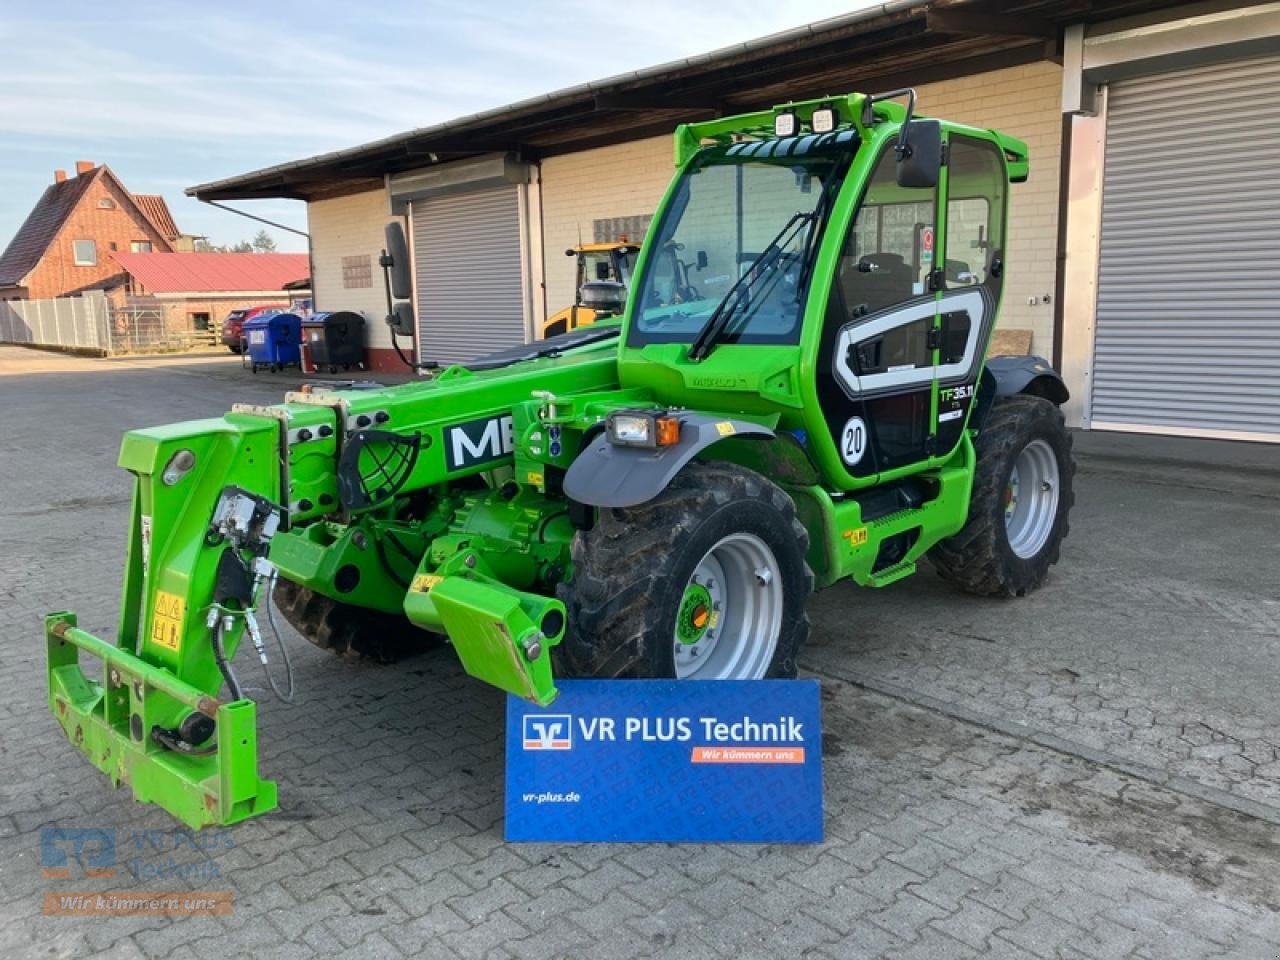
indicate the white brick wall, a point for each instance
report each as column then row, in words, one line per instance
column 619, row 181
column 1023, row 101
column 344, row 227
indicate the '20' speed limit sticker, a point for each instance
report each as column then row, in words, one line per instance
column 853, row 440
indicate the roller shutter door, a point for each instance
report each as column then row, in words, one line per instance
column 1187, row 338
column 470, row 292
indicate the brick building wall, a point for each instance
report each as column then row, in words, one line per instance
column 624, row 180
column 111, row 228
column 1026, row 103
column 346, row 240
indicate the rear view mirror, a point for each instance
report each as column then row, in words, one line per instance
column 398, row 252
column 401, row 319
column 702, row 260
column 920, row 154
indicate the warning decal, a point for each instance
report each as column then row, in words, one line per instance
column 166, row 622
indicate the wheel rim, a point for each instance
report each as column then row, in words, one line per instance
column 1031, row 499
column 729, row 617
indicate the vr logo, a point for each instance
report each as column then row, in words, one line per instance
column 93, row 849
column 548, row 731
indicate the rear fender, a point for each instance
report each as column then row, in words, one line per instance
column 1032, row 375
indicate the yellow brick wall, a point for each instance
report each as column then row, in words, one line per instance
column 344, row 227
column 629, row 179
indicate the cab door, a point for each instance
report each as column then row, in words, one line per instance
column 876, row 359
column 970, row 275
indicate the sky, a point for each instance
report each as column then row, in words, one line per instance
column 175, row 94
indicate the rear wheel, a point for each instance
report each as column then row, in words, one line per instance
column 1022, row 496
column 706, row 581
column 348, row 630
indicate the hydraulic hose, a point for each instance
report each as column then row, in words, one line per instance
column 220, row 655
column 284, row 650
column 425, row 365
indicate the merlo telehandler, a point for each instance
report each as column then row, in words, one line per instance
column 652, row 496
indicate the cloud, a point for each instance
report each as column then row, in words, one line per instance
column 172, row 95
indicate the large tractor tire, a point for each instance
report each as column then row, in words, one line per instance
column 347, row 630
column 706, row 581
column 1022, row 495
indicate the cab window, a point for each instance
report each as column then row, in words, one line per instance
column 975, row 210
column 889, row 251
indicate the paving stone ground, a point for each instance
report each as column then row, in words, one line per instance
column 1060, row 776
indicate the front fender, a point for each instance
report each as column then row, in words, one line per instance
column 605, row 475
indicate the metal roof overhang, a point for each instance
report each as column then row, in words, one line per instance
column 885, row 46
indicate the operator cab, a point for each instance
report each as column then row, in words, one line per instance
column 866, row 250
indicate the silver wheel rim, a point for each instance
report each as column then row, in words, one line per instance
column 744, row 583
column 1031, row 499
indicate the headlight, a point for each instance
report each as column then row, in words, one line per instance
column 642, row 429
column 784, row 125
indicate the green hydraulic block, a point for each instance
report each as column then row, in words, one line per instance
column 502, row 636
column 113, row 723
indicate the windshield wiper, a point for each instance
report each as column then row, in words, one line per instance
column 815, row 231
column 756, row 270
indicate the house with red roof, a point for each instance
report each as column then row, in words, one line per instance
column 68, row 240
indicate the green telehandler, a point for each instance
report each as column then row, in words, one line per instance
column 650, row 496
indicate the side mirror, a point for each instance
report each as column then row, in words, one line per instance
column 920, row 154
column 400, row 320
column 702, row 260
column 398, row 252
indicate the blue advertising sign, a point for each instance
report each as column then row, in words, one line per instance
column 709, row 761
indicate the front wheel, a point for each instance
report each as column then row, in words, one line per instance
column 1022, row 497
column 707, row 581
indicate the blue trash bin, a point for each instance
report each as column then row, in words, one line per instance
column 274, row 341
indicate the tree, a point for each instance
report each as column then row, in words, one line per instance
column 262, row 242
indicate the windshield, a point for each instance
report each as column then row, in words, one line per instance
column 616, row 264
column 740, row 224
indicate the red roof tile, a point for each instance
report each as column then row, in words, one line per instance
column 157, row 211
column 213, row 272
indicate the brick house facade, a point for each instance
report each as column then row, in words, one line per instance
column 66, row 242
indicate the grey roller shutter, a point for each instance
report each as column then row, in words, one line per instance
column 1188, row 317
column 470, row 291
